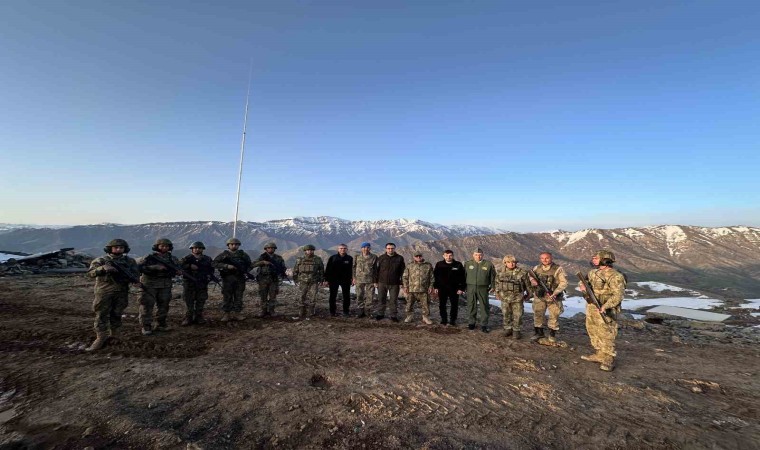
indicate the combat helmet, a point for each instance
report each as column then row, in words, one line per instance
column 233, row 241
column 164, row 241
column 270, row 245
column 116, row 243
column 606, row 257
column 197, row 244
column 309, row 247
column 509, row 258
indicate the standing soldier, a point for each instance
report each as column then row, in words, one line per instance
column 112, row 274
column 338, row 273
column 307, row 274
column 449, row 285
column 233, row 265
column 553, row 277
column 195, row 291
column 609, row 286
column 158, row 269
column 390, row 268
column 364, row 268
column 271, row 269
column 480, row 279
column 418, row 282
column 512, row 289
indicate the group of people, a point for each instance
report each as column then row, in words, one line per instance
column 387, row 273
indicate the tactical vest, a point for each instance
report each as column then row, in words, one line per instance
column 306, row 267
column 549, row 277
column 599, row 283
column 512, row 280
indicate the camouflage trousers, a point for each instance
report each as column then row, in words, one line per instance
column 268, row 290
column 387, row 295
column 307, row 293
column 540, row 306
column 602, row 335
column 154, row 297
column 513, row 309
column 364, row 290
column 477, row 304
column 108, row 308
column 195, row 298
column 233, row 288
column 423, row 298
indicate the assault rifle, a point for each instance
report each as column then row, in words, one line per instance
column 206, row 272
column 239, row 268
column 132, row 278
column 170, row 265
column 591, row 298
column 279, row 268
column 541, row 285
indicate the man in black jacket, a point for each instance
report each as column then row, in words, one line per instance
column 449, row 284
column 338, row 274
column 390, row 269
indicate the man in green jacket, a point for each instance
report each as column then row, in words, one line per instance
column 481, row 279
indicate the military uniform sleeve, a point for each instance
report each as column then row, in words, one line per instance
column 96, row 268
column 431, row 277
column 185, row 262
column 616, row 284
column 144, row 266
column 492, row 278
column 353, row 267
column 296, row 269
column 403, row 267
column 561, row 281
column 405, row 278
column 217, row 262
column 320, row 272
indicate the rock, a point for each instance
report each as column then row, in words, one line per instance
column 710, row 326
column 714, row 334
column 88, row 432
column 579, row 317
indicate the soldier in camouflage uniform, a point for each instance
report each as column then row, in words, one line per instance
column 157, row 277
column 233, row 264
column 111, row 289
column 609, row 286
column 308, row 273
column 271, row 269
column 480, row 276
column 364, row 269
column 195, row 292
column 511, row 288
column 555, row 279
column 418, row 282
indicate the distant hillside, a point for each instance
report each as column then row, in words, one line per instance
column 724, row 261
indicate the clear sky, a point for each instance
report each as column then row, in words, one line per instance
column 529, row 115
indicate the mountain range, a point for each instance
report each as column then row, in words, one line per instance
column 723, row 261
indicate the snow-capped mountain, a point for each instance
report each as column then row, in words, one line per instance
column 324, row 232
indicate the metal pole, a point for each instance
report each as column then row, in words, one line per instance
column 242, row 151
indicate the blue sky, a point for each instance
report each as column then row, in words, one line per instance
column 523, row 115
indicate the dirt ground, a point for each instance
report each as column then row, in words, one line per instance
column 353, row 383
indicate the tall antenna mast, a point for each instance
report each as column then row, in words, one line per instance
column 242, row 151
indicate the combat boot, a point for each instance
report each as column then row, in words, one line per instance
column 302, row 315
column 427, row 320
column 594, row 357
column 408, row 319
column 225, row 317
column 162, row 326
column 199, row 319
column 552, row 335
column 146, row 331
column 516, row 335
column 538, row 333
column 484, row 329
column 361, row 314
column 238, row 316
column 507, row 333
column 188, row 320
column 98, row 343
column 607, row 365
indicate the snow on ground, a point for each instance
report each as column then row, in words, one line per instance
column 638, row 316
column 684, row 302
column 632, row 292
column 656, row 286
column 633, row 233
column 754, row 314
column 752, row 303
column 5, row 257
column 573, row 306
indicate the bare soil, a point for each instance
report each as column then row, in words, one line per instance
column 353, row 383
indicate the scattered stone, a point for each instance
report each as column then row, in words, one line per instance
column 64, row 260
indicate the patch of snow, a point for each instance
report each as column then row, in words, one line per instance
column 658, row 287
column 752, row 303
column 684, row 302
column 638, row 316
column 572, row 305
column 755, row 314
column 577, row 236
column 6, row 256
column 632, row 292
column 633, row 233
